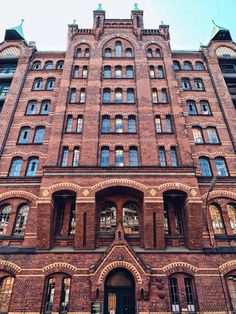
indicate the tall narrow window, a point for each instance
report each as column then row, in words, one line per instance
column 192, row 111
column 75, row 162
column 64, row 159
column 79, row 124
column 107, row 53
column 130, row 218
column 197, row 135
column 49, row 297
column 128, row 53
column 86, row 53
column 6, row 286
column 164, row 96
column 158, row 124
column 216, row 217
column 158, row 53
column 129, row 71
column 189, row 294
column 105, row 124
column 39, row 135
column 107, row 71
column 78, row 53
column 82, row 96
column 173, row 155
column 221, row 167
column 160, row 71
column 118, row 49
column 72, row 97
column 174, row 293
column 152, row 71
column 162, row 156
column 176, row 66
column 119, row 157
column 132, row 124
column 231, row 208
column 186, row 84
column 149, row 53
column 60, row 65
column 21, row 219
column 108, row 218
column 133, row 157
column 212, row 135
column 65, row 294
column 205, row 107
column 205, row 167
column 118, row 96
column 76, row 71
column 154, row 96
column 45, row 107
column 105, row 157
column 169, row 128
column 198, row 84
column 119, row 124
column 24, row 135
column 118, row 71
column 85, row 72
column 106, row 96
column 15, row 167
column 231, row 281
column 5, row 211
column 32, row 167
column 130, row 96
column 38, row 84
column 69, row 123
column 50, row 84
column 31, row 107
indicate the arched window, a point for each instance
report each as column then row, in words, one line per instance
column 130, row 218
column 118, row 71
column 186, row 84
column 31, row 107
column 231, row 281
column 158, row 124
column 158, row 53
column 217, row 220
column 60, row 65
column 118, row 96
column 129, row 71
column 128, row 53
column 106, row 95
column 32, row 167
column 21, row 219
column 105, row 157
column 105, row 124
column 107, row 53
column 86, row 53
column 191, row 105
column 76, row 71
column 39, row 135
column 198, row 83
column 132, row 124
column 38, row 84
column 45, row 107
column 15, row 168
column 79, row 124
column 149, row 53
column 130, row 96
column 231, row 208
column 205, row 167
column 164, row 95
column 173, row 155
column 6, row 286
column 75, row 162
column 78, row 53
column 152, row 71
column 118, row 49
column 108, row 218
column 205, row 107
column 107, row 71
column 221, row 167
column 197, row 135
column 160, row 71
column 162, row 156
column 133, row 156
column 199, row 66
column 119, row 157
column 69, row 123
column 36, row 65
column 154, row 96
column 187, row 66
column 85, row 72
column 212, row 135
column 169, row 128
column 5, row 211
column 176, row 66
column 50, row 83
column 24, row 135
column 82, row 96
column 119, row 124
column 72, row 97
column 48, row 65
column 64, row 159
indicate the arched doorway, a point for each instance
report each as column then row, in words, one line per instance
column 119, row 292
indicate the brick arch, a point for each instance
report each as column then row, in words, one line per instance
column 86, row 42
column 174, row 186
column 119, row 182
column 18, row 194
column 10, row 267
column 179, row 267
column 220, row 193
column 153, row 42
column 59, row 267
column 228, row 267
column 120, row 264
column 63, row 186
column 106, row 39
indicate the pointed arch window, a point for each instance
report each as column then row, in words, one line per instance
column 5, row 211
column 130, row 218
column 108, row 218
column 21, row 219
column 217, row 220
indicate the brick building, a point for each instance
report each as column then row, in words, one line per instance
column 117, row 172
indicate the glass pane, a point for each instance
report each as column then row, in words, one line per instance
column 130, row 218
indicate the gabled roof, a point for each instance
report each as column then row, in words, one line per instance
column 220, row 33
column 15, row 33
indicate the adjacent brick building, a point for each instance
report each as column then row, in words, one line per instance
column 117, row 172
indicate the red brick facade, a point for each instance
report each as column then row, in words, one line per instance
column 113, row 159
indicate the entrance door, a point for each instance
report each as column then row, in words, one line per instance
column 119, row 293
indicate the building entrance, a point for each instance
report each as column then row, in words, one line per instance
column 119, row 293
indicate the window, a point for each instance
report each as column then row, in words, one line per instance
column 49, row 295
column 38, row 84
column 154, row 96
column 15, row 167
column 192, row 111
column 21, row 219
column 174, row 293
column 36, row 65
column 65, row 294
column 130, row 96
column 164, row 96
column 105, row 124
column 50, row 84
column 197, row 135
column 130, row 218
column 162, row 156
column 105, row 157
column 205, row 167
column 205, row 107
column 198, row 84
column 79, row 124
column 158, row 124
column 173, row 155
column 176, row 66
column 5, row 211
column 160, row 71
column 158, row 53
column 85, row 72
column 72, row 97
column 108, row 218
column 186, row 84
column 212, row 135
column 133, row 157
column 187, row 66
column 24, row 135
column 132, row 124
column 76, row 71
column 69, row 123
column 31, row 107
column 168, row 124
column 45, row 107
column 64, row 159
column 149, row 53
column 231, row 281
column 118, row 49
column 199, row 66
column 231, row 208
column 6, row 286
column 108, row 53
column 129, row 71
column 128, row 53
column 216, row 218
column 48, row 65
column 119, row 124
column 39, row 135
column 118, row 71
column 118, row 96
column 189, row 294
column 106, row 96
column 82, row 96
column 107, row 71
column 221, row 167
column 78, row 53
column 119, row 157
column 60, row 65
column 4, row 88
column 86, row 53
column 152, row 71
column 75, row 162
column 32, row 167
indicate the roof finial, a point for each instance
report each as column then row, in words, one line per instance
column 136, row 8
column 162, row 23
column 22, row 21
column 74, row 22
column 99, row 7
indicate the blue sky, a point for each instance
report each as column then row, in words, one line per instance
column 190, row 20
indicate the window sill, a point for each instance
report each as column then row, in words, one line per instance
column 157, row 78
column 29, row 144
column 206, row 143
column 225, row 237
column 116, row 133
column 118, row 78
column 13, row 237
column 165, row 133
column 118, row 103
column 118, row 58
column 42, row 90
column 160, row 103
column 76, row 103
column 201, row 115
column 36, row 114
column 73, row 133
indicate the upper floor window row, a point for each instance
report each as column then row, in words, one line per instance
column 211, row 133
column 187, row 66
column 80, row 72
column 119, row 157
column 163, row 125
column 48, row 65
column 33, row 108
column 8, row 68
column 16, row 167
column 118, row 96
column 39, row 84
column 173, row 156
column 198, row 84
column 156, row 72
column 154, row 53
column 118, row 51
column 77, row 96
column 82, row 52
column 120, row 124
column 118, row 71
column 4, row 88
column 74, row 124
column 66, row 156
column 219, row 164
column 24, row 136
column 203, row 108
column 160, row 96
